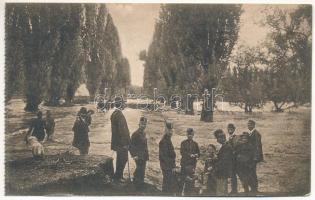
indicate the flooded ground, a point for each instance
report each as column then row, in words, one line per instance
column 285, row 137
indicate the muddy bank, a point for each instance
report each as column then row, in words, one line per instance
column 29, row 176
column 66, row 174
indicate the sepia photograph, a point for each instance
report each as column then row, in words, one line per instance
column 157, row 99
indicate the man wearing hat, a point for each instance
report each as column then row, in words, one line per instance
column 81, row 131
column 167, row 158
column 189, row 151
column 139, row 152
column 120, row 139
column 255, row 141
column 233, row 139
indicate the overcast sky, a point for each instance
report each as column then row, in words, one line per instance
column 135, row 24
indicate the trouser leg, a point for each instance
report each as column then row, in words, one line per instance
column 121, row 160
column 244, row 174
column 84, row 150
column 222, row 187
column 211, row 184
column 139, row 173
column 167, row 181
column 252, row 179
column 234, row 181
column 188, row 175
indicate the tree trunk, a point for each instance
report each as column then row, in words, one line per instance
column 250, row 109
column 173, row 103
column 206, row 116
column 189, row 107
column 207, row 111
column 277, row 107
column 32, row 103
column 70, row 95
column 53, row 101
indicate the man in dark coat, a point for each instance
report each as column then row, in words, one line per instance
column 139, row 152
column 120, row 139
column 37, row 127
column 81, row 131
column 223, row 165
column 167, row 158
column 255, row 141
column 233, row 138
column 244, row 153
column 189, row 151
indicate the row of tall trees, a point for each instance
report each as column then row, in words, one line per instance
column 279, row 69
column 190, row 50
column 53, row 48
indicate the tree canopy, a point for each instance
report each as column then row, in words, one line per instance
column 52, row 48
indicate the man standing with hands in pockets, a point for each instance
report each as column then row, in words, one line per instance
column 120, row 139
column 167, row 157
column 139, row 152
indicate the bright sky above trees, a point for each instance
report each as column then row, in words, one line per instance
column 135, row 24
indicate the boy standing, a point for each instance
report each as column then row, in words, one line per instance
column 189, row 151
column 81, row 131
column 139, row 152
column 233, row 138
column 223, row 165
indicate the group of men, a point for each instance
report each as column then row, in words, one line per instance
column 237, row 156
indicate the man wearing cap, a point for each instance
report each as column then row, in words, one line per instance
column 189, row 151
column 139, row 152
column 255, row 141
column 120, row 140
column 167, row 158
column 233, row 139
column 223, row 165
column 81, row 131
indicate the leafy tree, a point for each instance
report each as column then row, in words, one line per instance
column 37, row 51
column 14, row 57
column 289, row 55
column 103, row 48
column 123, row 74
column 66, row 72
column 93, row 68
column 191, row 47
column 52, row 48
column 246, row 83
